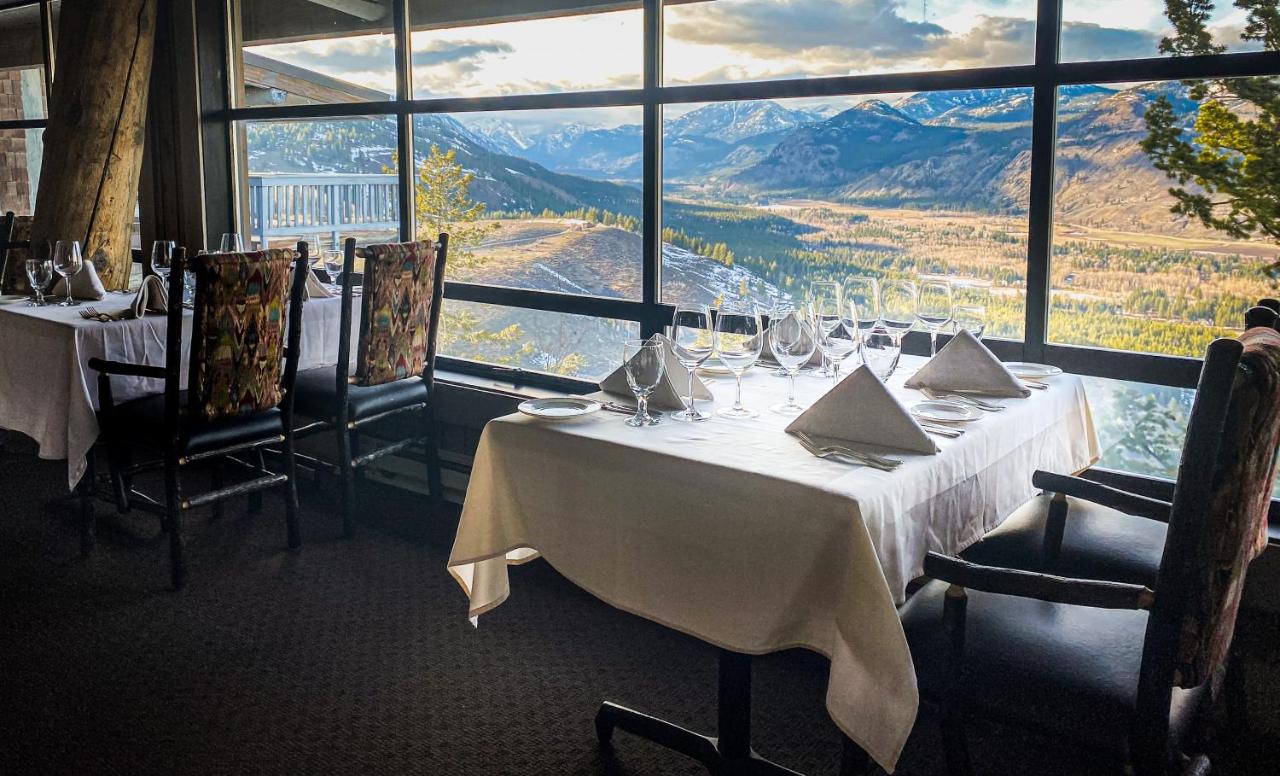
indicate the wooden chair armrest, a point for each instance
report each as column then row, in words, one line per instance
column 1044, row 587
column 126, row 369
column 1103, row 495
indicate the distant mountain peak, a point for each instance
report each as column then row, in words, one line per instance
column 734, row 121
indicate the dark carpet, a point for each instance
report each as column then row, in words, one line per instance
column 356, row 657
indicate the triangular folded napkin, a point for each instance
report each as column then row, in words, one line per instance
column 670, row 393
column 861, row 410
column 314, row 289
column 84, row 284
column 965, row 364
column 152, row 297
column 766, row 352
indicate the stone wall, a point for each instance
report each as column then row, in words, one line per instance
column 15, row 180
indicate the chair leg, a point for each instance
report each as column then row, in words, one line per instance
column 955, row 744
column 255, row 499
column 88, row 520
column 293, row 529
column 173, row 512
column 345, row 454
column 435, row 480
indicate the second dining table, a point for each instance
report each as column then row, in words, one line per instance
column 729, row 531
column 49, row 393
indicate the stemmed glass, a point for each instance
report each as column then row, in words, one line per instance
column 39, row 272
column 898, row 308
column 934, row 309
column 881, row 350
column 691, row 331
column 232, row 242
column 162, row 258
column 643, row 363
column 861, row 310
column 67, row 260
column 792, row 341
column 834, row 339
column 737, row 345
column 970, row 309
column 825, row 298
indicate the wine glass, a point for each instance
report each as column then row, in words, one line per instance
column 970, row 311
column 691, row 331
column 791, row 338
column 880, row 350
column 67, row 260
column 232, row 242
column 834, row 339
column 39, row 273
column 737, row 345
column 333, row 265
column 643, row 364
column 824, row 298
column 162, row 258
column 934, row 309
column 898, row 307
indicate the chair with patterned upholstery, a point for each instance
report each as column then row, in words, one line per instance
column 394, row 365
column 1120, row 669
column 239, row 400
column 15, row 248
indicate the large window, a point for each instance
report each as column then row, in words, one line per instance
column 759, row 146
column 23, row 103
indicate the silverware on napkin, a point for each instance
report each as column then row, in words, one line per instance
column 940, row 429
column 860, row 456
column 94, row 314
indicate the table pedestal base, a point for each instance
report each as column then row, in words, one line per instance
column 730, row 752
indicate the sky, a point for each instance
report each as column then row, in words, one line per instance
column 737, row 40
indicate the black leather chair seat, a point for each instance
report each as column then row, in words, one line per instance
column 144, row 418
column 316, row 395
column 1067, row 671
column 1098, row 543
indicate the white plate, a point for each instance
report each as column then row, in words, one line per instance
column 942, row 411
column 1032, row 371
column 559, row 408
column 716, row 368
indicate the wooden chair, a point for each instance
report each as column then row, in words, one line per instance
column 15, row 247
column 1081, row 528
column 1119, row 669
column 395, row 365
column 240, row 398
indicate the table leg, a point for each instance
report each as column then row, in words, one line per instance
column 729, row 753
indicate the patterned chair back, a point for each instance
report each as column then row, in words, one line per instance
column 238, row 332
column 1218, row 523
column 13, row 259
column 402, row 284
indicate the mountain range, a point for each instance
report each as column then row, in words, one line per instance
column 965, row 149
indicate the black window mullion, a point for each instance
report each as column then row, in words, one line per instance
column 651, row 185
column 49, row 48
column 404, row 122
column 1040, row 208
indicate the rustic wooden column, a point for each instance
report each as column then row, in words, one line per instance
column 94, row 140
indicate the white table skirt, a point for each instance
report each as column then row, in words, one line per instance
column 49, row 393
column 731, row 532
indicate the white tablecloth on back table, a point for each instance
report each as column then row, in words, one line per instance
column 49, row 393
column 729, row 531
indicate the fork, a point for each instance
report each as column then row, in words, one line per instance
column 867, row 459
column 93, row 314
column 969, row 400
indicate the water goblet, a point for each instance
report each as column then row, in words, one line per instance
column 68, row 261
column 934, row 308
column 898, row 300
column 835, row 340
column 162, row 258
column 792, row 340
column 232, row 242
column 737, row 344
column 692, row 335
column 824, row 299
column 972, row 301
column 39, row 273
column 643, row 364
column 881, row 350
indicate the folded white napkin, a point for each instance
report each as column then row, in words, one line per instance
column 152, row 297
column 85, row 284
column 671, row 391
column 766, row 352
column 965, row 364
column 861, row 410
column 314, row 289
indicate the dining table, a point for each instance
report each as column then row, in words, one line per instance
column 731, row 532
column 49, row 393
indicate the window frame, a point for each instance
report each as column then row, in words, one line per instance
column 47, row 49
column 1043, row 76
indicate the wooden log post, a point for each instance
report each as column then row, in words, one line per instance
column 94, row 140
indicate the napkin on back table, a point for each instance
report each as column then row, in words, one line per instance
column 965, row 364
column 671, row 391
column 861, row 410
column 152, row 297
column 85, row 284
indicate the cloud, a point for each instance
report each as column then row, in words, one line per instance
column 444, row 52
column 1088, row 42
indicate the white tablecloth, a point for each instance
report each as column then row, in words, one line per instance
column 48, row 392
column 731, row 532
